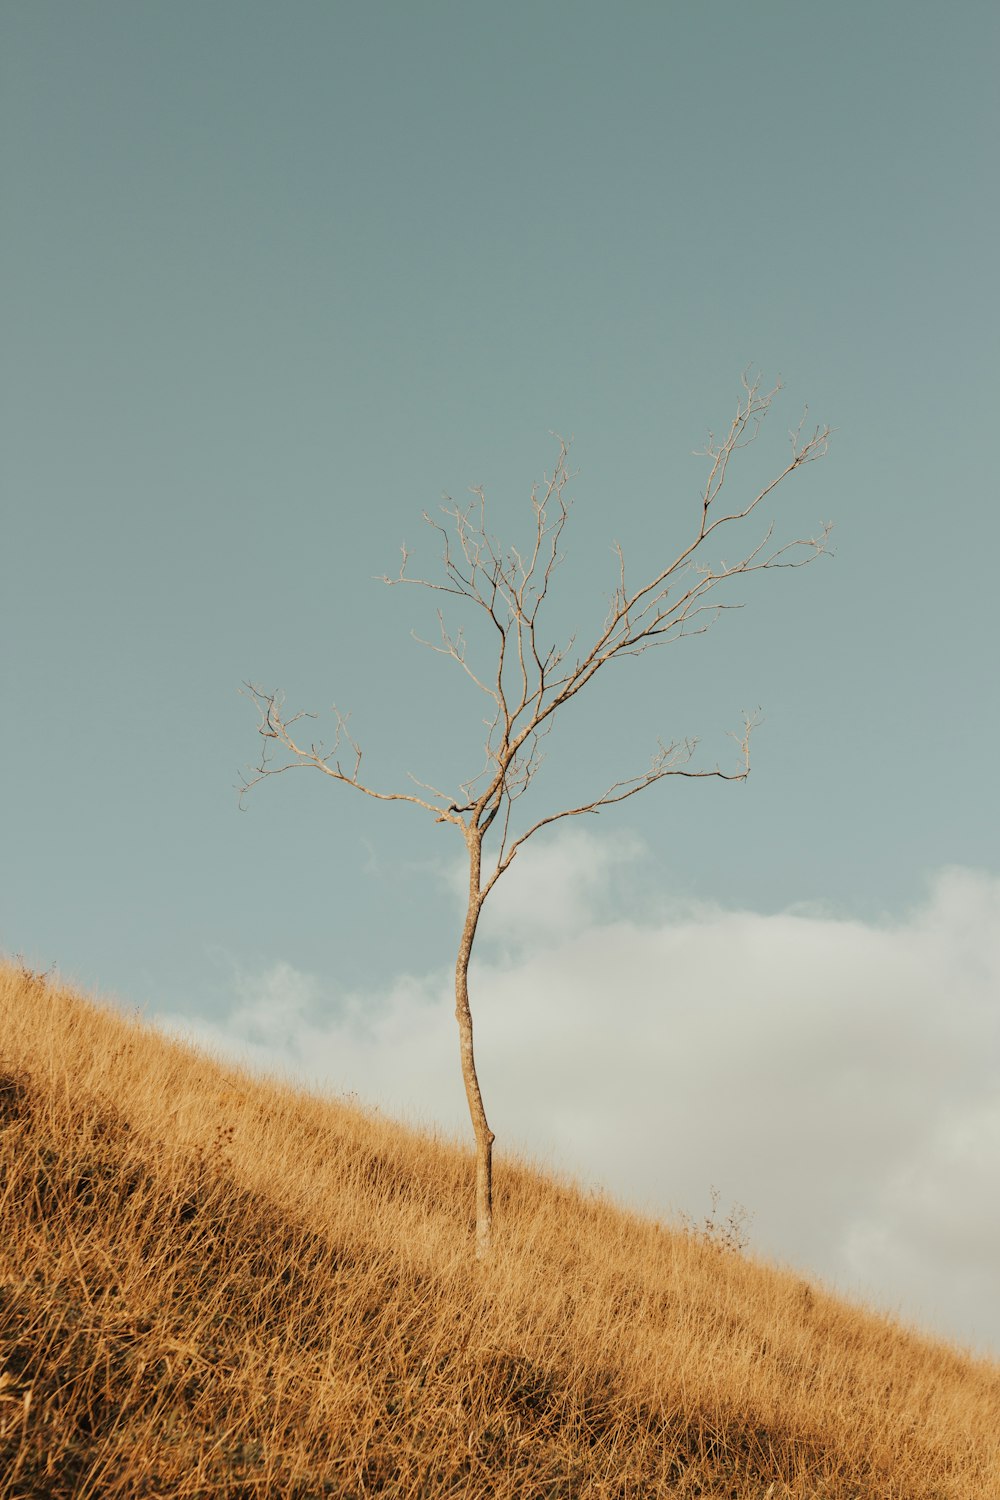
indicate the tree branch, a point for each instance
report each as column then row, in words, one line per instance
column 532, row 679
column 274, row 730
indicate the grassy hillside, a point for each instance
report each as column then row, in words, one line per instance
column 214, row 1286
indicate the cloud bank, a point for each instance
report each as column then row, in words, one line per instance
column 839, row 1079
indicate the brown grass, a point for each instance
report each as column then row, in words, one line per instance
column 212, row 1285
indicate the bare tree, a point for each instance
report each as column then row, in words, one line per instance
column 530, row 679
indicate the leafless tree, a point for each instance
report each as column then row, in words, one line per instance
column 529, row 679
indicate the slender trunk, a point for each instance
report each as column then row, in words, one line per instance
column 463, row 1014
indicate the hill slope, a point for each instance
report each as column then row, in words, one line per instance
column 214, row 1286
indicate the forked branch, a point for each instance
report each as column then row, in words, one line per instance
column 275, row 732
column 532, row 676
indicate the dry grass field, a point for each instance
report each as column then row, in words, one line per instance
column 214, row 1286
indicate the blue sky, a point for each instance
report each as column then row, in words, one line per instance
column 276, row 279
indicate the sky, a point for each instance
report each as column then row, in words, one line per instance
column 277, row 279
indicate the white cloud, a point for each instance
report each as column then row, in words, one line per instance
column 840, row 1079
column 556, row 884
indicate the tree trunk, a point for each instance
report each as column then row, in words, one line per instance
column 463, row 1014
